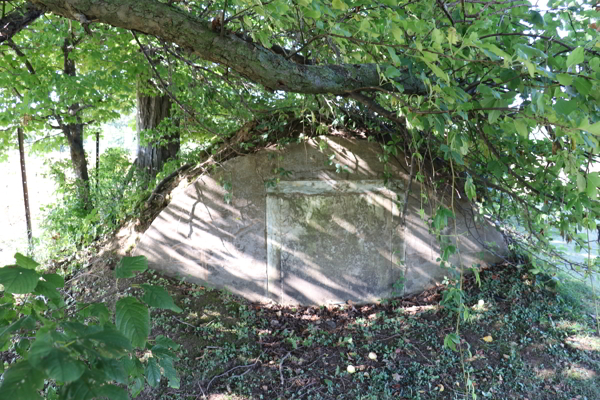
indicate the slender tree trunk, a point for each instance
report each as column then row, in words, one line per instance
column 25, row 190
column 97, row 155
column 151, row 110
column 74, row 134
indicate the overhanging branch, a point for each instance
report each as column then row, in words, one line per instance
column 250, row 60
column 17, row 20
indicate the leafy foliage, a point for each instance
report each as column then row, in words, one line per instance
column 80, row 353
column 116, row 191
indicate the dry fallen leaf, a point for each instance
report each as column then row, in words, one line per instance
column 487, row 339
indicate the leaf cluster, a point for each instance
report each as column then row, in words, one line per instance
column 84, row 351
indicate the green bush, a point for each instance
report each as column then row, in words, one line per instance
column 80, row 351
column 116, row 190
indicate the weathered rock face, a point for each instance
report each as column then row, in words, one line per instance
column 298, row 227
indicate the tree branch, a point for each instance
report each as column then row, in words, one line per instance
column 18, row 19
column 10, row 43
column 250, row 60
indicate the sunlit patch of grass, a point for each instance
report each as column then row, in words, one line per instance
column 577, row 290
column 570, row 326
column 579, row 372
column 585, row 343
column 544, row 373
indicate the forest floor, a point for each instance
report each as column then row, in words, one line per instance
column 521, row 341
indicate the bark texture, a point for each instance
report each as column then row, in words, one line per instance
column 74, row 134
column 25, row 188
column 17, row 20
column 151, row 110
column 251, row 60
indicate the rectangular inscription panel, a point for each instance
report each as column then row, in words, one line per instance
column 333, row 241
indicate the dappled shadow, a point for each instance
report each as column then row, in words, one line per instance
column 311, row 239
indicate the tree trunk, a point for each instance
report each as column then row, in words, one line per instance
column 74, row 134
column 25, row 190
column 151, row 110
column 97, row 156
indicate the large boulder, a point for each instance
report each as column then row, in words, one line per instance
column 312, row 223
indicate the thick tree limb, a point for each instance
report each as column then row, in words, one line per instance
column 10, row 43
column 375, row 107
column 250, row 60
column 17, row 20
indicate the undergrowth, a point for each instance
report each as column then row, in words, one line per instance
column 521, row 341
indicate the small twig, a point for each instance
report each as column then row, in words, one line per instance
column 292, row 54
column 223, row 19
column 443, row 7
column 390, row 337
column 233, row 369
column 407, row 191
column 165, row 180
column 281, row 366
column 183, row 322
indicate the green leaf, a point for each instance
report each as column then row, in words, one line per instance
column 565, row 107
column 581, row 184
column 54, row 279
column 593, row 182
column 591, row 128
column 21, row 382
column 496, row 50
column 530, row 68
column 136, row 388
column 312, row 13
column 97, row 310
column 166, row 342
column 583, row 86
column 397, row 33
column 152, row 372
column 56, row 363
column 128, row 266
column 170, row 372
column 158, row 297
column 89, row 387
column 161, row 352
column 110, row 340
column 493, row 116
column 18, row 280
column 392, row 72
column 339, row 5
column 133, row 320
column 25, row 262
column 576, row 57
column 564, row 79
column 451, row 340
column 27, row 322
column 470, row 189
column 522, row 128
column 49, row 291
column 438, row 71
column 112, row 392
column 528, row 52
column 114, row 370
